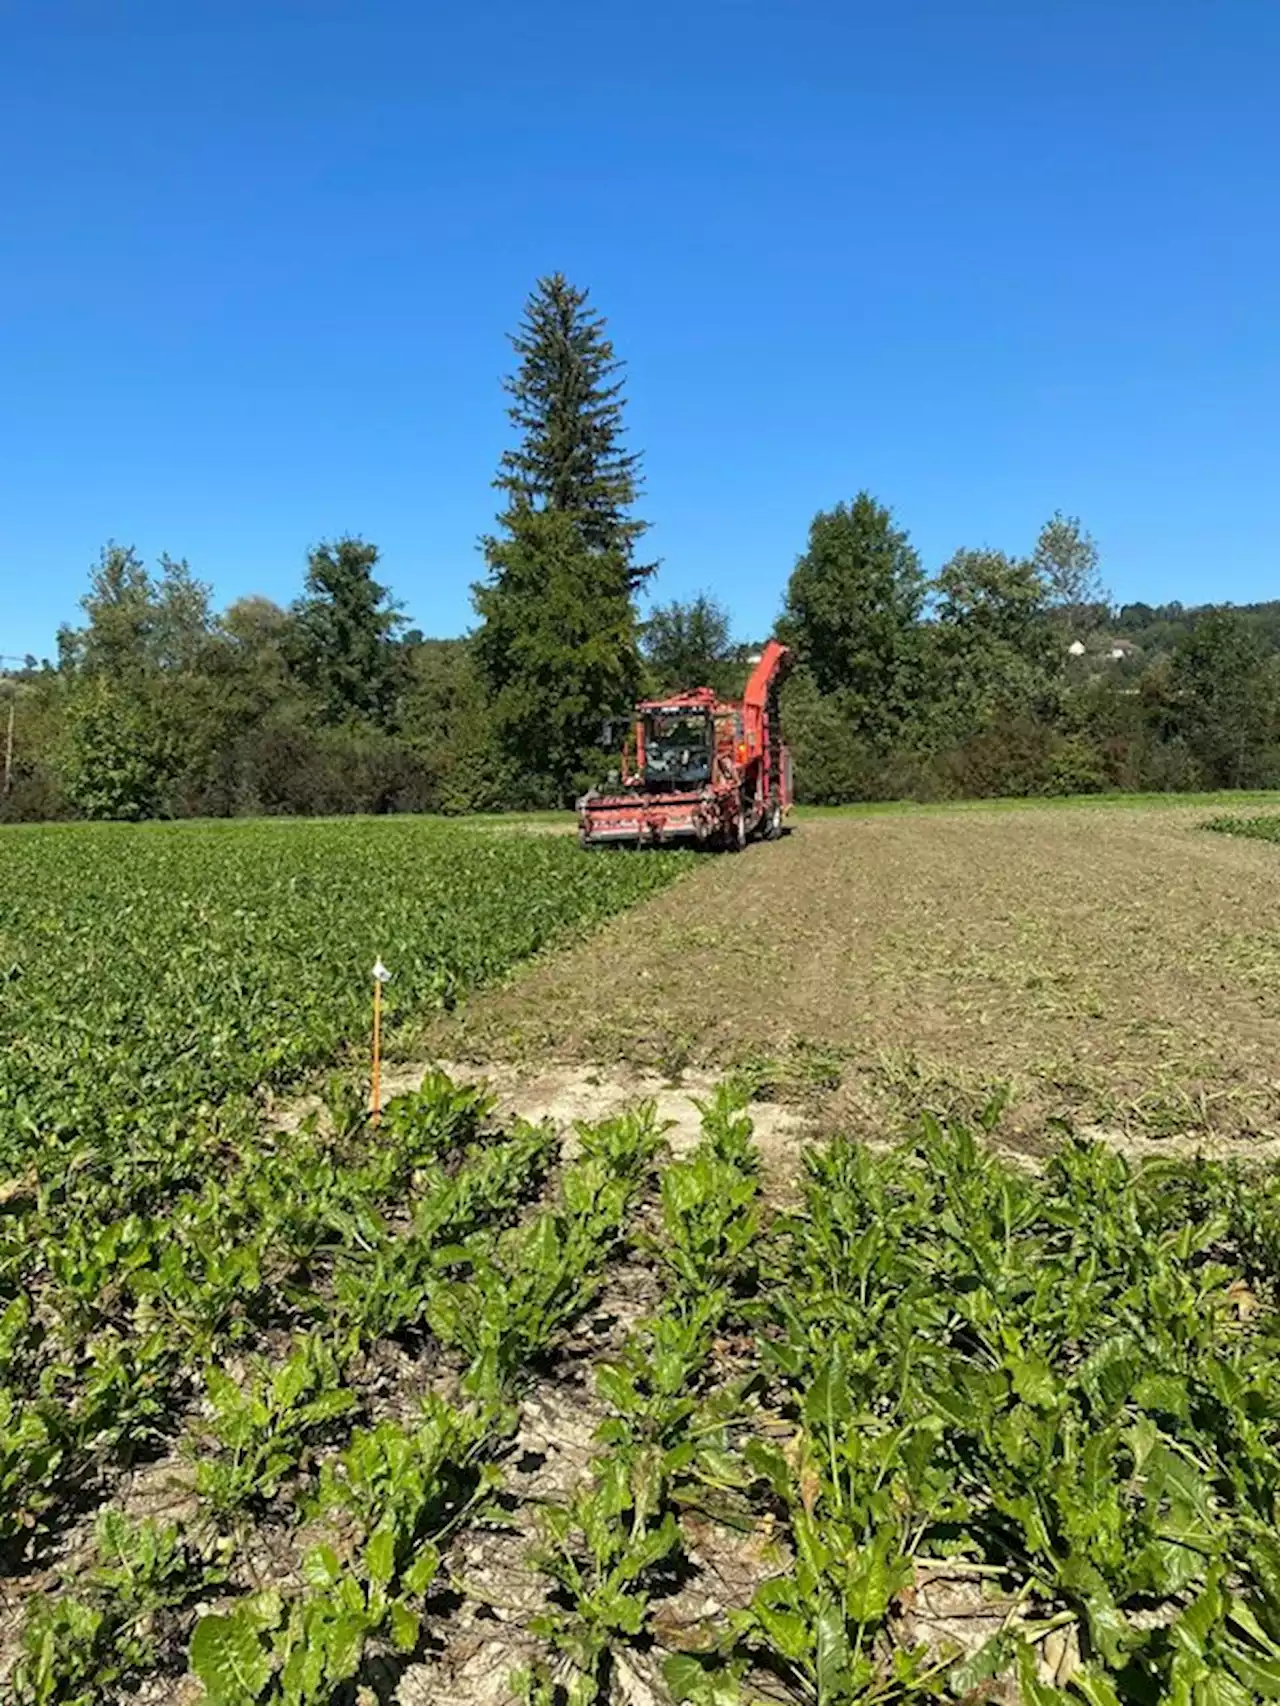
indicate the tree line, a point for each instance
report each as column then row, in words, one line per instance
column 998, row 674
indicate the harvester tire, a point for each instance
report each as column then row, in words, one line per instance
column 738, row 833
column 773, row 823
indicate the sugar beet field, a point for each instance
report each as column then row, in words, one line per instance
column 970, row 1393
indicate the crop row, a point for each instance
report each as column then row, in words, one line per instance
column 267, row 1433
column 618, row 1541
column 157, row 1235
column 1064, row 1391
column 149, row 972
column 1256, row 828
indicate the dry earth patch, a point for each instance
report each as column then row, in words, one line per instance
column 1117, row 969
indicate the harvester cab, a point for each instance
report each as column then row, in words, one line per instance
column 699, row 769
column 675, row 745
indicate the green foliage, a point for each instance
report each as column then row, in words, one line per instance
column 1028, row 1375
column 68, row 1647
column 151, row 1224
column 262, row 1423
column 513, row 1300
column 963, row 694
column 135, row 706
column 1222, row 695
column 1074, row 767
column 558, row 642
column 115, row 759
column 137, row 626
column 993, row 648
column 384, row 1284
column 1257, row 828
column 86, row 1646
column 413, row 1484
column 558, row 649
column 1063, row 1381
column 691, row 645
column 1005, row 674
column 228, row 959
column 709, row 1221
column 446, row 716
column 608, row 1548
column 600, row 1550
column 341, row 639
column 851, row 609
column 833, row 764
column 300, row 1654
column 567, row 407
column 1066, row 560
column 1020, row 680
column 34, row 1438
column 409, row 1487
column 126, row 1379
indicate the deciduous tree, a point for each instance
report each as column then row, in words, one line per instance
column 342, row 644
column 1223, row 698
column 851, row 609
column 993, row 649
column 691, row 645
column 1066, row 560
column 116, row 755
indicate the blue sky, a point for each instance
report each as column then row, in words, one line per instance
column 257, row 262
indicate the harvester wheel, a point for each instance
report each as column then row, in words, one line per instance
column 738, row 833
column 773, row 823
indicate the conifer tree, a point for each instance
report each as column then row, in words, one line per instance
column 558, row 642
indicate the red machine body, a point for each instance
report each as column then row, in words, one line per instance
column 700, row 769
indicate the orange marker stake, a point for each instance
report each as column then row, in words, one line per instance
column 380, row 976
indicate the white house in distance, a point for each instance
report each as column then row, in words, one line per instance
column 1117, row 652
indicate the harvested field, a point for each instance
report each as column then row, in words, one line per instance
column 1116, row 968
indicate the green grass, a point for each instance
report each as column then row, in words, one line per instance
column 878, row 808
column 875, row 808
column 1047, row 802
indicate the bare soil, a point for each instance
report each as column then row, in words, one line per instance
column 570, row 1092
column 1118, row 969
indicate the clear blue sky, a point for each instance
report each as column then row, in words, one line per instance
column 258, row 257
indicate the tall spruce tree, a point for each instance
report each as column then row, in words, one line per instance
column 558, row 641
column 566, row 403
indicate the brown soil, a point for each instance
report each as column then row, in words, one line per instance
column 1119, row 969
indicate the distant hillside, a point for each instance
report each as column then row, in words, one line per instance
column 1157, row 628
